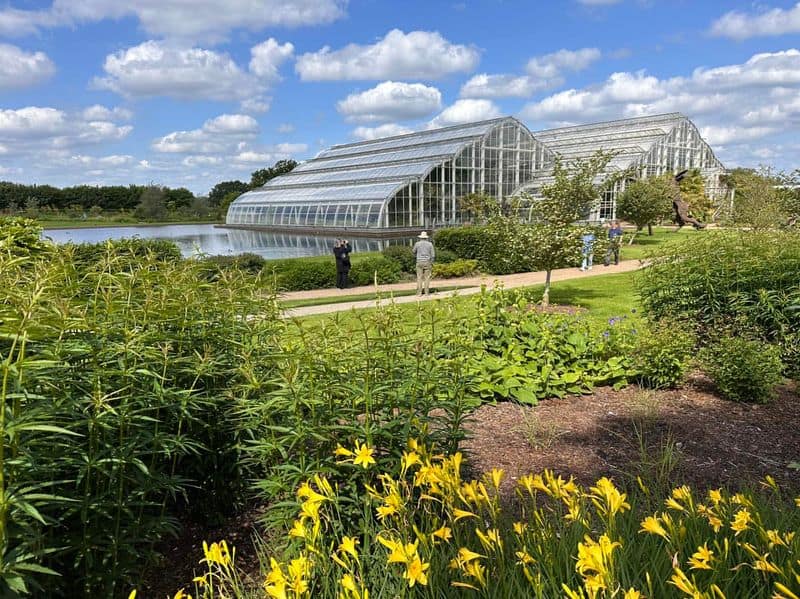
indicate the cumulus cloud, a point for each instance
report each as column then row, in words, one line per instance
column 207, row 20
column 386, row 130
column 465, row 111
column 20, row 69
column 552, row 65
column 543, row 72
column 502, row 86
column 732, row 104
column 154, row 68
column 267, row 57
column 35, row 127
column 390, row 101
column 399, row 55
column 217, row 135
column 741, row 25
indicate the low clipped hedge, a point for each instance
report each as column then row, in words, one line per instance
column 365, row 271
column 471, row 243
column 456, row 268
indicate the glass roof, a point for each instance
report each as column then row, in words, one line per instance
column 394, row 171
column 632, row 137
column 469, row 130
column 320, row 194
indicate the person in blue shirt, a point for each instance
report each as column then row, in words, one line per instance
column 588, row 250
column 614, row 242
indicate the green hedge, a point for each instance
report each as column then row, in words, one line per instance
column 365, row 270
column 457, row 268
column 471, row 243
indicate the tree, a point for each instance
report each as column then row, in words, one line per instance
column 646, row 202
column 152, row 204
column 693, row 191
column 555, row 241
column 220, row 190
column 178, row 198
column 758, row 201
column 261, row 176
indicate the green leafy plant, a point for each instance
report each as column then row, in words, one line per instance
column 369, row 269
column 742, row 369
column 662, row 354
column 457, row 268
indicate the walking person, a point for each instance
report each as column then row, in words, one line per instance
column 425, row 255
column 614, row 242
column 588, row 250
column 341, row 249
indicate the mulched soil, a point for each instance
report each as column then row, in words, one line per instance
column 709, row 443
column 692, row 434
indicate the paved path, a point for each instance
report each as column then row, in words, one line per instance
column 470, row 286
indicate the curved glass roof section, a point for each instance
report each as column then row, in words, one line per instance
column 631, row 141
column 370, row 170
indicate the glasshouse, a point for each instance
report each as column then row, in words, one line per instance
column 415, row 181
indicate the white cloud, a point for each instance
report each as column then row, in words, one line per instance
column 732, row 104
column 552, row 65
column 209, row 20
column 740, row 25
column 154, row 68
column 217, row 135
column 201, row 160
column 465, row 111
column 502, row 86
column 35, row 129
column 285, row 128
column 386, row 130
column 101, row 113
column 543, row 72
column 267, row 57
column 255, row 105
column 20, row 69
column 399, row 55
column 389, row 101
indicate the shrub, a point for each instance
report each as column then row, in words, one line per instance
column 119, row 253
column 364, row 270
column 21, row 237
column 444, row 256
column 248, row 262
column 470, row 243
column 457, row 268
column 301, row 274
column 743, row 369
column 403, row 255
column 661, row 355
column 744, row 282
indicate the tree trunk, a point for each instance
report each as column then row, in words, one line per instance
column 546, row 295
column 649, row 229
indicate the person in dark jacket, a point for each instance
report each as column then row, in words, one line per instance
column 341, row 249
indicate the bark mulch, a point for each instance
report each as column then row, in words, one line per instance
column 685, row 435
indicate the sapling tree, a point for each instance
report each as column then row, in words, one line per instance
column 554, row 241
column 646, row 202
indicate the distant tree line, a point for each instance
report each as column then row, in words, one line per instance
column 18, row 196
column 222, row 194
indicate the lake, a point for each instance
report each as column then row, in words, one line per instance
column 214, row 240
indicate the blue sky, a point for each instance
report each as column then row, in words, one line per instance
column 139, row 91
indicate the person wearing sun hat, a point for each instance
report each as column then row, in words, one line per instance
column 425, row 255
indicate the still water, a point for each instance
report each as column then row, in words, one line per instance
column 213, row 240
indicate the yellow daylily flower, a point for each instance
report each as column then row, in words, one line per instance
column 462, row 514
column 786, row 592
column 415, row 572
column 607, row 498
column 217, row 554
column 343, row 452
column 363, row 456
column 496, row 476
column 701, row 558
column 275, row 581
column 348, row 545
column 520, row 528
column 680, row 580
column 181, row 595
column 632, row 593
column 652, row 525
column 741, row 520
column 715, row 495
column 524, row 558
column 443, row 532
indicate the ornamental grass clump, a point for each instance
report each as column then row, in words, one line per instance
column 426, row 532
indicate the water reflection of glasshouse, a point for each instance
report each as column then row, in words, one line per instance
column 416, row 180
column 274, row 244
